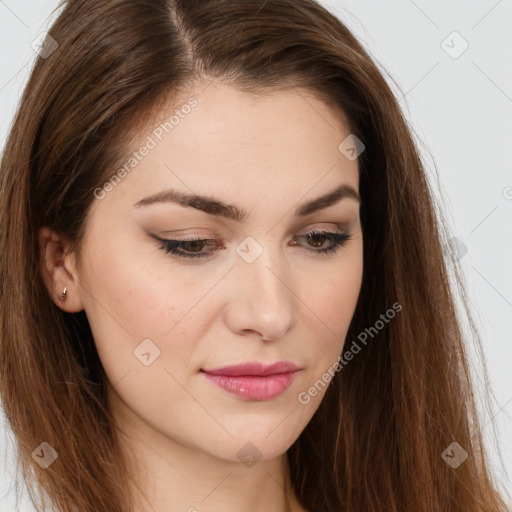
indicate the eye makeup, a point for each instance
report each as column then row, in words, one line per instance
column 192, row 247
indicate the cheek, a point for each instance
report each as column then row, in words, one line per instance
column 331, row 296
column 147, row 320
column 136, row 286
column 331, row 300
column 135, row 298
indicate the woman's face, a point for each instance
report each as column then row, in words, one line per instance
column 261, row 292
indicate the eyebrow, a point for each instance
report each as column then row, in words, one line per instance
column 216, row 207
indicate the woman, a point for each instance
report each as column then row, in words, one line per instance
column 223, row 283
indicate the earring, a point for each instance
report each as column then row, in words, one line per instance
column 62, row 296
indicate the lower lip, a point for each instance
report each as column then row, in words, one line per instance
column 252, row 387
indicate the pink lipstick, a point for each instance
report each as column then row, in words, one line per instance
column 254, row 380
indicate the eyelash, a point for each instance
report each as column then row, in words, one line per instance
column 176, row 247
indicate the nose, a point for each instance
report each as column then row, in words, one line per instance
column 261, row 297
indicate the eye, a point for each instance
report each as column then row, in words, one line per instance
column 318, row 238
column 193, row 248
column 188, row 248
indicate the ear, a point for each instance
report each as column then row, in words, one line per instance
column 54, row 264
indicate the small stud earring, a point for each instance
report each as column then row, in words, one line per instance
column 62, row 296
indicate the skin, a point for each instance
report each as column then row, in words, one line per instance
column 266, row 154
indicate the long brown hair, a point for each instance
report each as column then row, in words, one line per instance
column 377, row 440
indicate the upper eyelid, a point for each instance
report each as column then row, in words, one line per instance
column 343, row 233
column 332, row 228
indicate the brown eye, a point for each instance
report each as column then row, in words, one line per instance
column 188, row 248
column 194, row 248
column 318, row 239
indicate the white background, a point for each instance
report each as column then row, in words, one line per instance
column 460, row 109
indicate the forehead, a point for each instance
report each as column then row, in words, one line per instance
column 223, row 126
column 219, row 141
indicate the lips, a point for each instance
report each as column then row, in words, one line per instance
column 254, row 381
column 254, row 368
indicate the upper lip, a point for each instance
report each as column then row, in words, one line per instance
column 254, row 368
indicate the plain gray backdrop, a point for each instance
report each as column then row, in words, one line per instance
column 449, row 62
